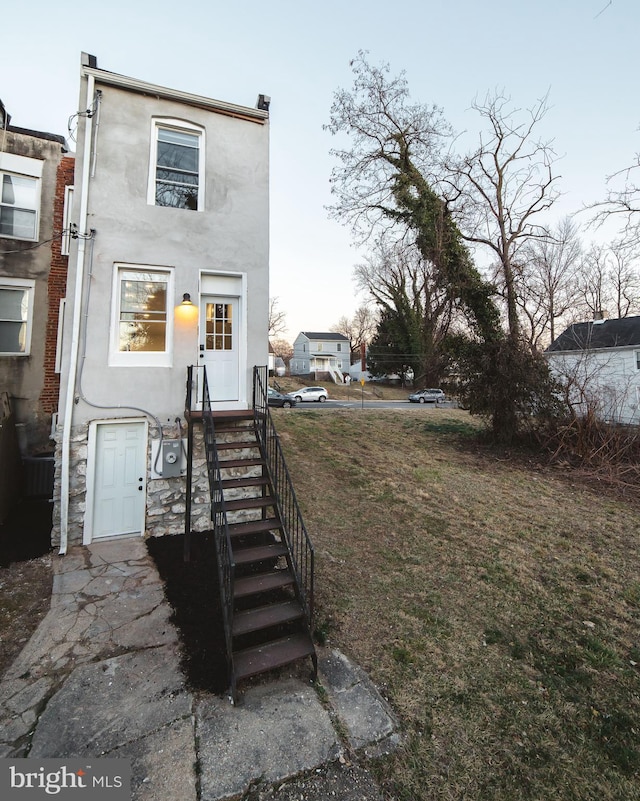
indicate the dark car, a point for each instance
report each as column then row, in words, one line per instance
column 427, row 396
column 278, row 399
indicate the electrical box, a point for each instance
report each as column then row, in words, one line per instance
column 171, row 453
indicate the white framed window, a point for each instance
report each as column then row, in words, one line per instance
column 319, row 347
column 638, row 360
column 176, row 169
column 141, row 323
column 16, row 316
column 66, row 220
column 20, row 179
column 339, row 347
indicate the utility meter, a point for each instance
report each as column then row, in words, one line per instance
column 171, row 458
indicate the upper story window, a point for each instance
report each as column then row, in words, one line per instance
column 338, row 346
column 16, row 314
column 141, row 333
column 319, row 347
column 638, row 360
column 19, row 196
column 177, row 165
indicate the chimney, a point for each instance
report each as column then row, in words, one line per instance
column 600, row 315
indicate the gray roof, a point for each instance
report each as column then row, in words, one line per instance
column 325, row 335
column 596, row 335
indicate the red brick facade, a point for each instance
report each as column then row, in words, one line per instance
column 57, row 288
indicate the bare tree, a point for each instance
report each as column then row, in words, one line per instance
column 277, row 319
column 624, row 275
column 359, row 329
column 407, row 291
column 548, row 288
column 283, row 349
column 608, row 281
column 593, row 284
column 622, row 203
column 502, row 187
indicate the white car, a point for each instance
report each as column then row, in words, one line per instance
column 427, row 396
column 319, row 394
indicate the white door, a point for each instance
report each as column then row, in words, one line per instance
column 119, row 481
column 219, row 346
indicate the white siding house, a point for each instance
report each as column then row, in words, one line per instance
column 169, row 269
column 318, row 354
column 600, row 363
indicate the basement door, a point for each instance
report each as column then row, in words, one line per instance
column 119, row 479
column 220, row 347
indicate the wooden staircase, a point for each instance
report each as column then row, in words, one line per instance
column 264, row 555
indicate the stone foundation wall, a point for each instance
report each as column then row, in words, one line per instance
column 166, row 497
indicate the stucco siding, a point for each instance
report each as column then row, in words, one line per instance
column 222, row 243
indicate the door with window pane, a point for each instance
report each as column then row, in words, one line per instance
column 219, row 346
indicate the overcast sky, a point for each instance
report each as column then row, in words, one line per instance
column 584, row 52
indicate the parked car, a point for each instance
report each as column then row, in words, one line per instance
column 427, row 396
column 278, row 399
column 310, row 394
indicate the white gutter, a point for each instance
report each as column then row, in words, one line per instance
column 75, row 331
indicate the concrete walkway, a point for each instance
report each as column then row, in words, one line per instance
column 101, row 678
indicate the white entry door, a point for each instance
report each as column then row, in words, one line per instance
column 219, row 346
column 119, row 485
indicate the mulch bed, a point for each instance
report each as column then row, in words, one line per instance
column 25, row 575
column 26, row 532
column 192, row 590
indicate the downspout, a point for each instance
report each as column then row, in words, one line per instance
column 75, row 331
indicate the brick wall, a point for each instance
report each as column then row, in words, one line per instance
column 57, row 288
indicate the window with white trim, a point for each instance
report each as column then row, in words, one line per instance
column 20, row 178
column 16, row 315
column 176, row 173
column 141, row 330
column 638, row 360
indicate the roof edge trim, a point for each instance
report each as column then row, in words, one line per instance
column 142, row 87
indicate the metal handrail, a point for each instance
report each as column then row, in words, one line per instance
column 300, row 548
column 224, row 551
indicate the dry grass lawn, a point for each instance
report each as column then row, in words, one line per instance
column 496, row 602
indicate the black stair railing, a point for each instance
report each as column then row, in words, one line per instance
column 224, row 552
column 295, row 532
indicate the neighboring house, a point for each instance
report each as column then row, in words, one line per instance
column 169, row 269
column 600, row 363
column 35, row 171
column 321, row 355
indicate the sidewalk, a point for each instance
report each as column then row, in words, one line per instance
column 101, row 678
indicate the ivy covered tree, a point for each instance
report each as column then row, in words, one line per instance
column 385, row 185
column 394, row 185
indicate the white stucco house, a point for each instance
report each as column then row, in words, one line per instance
column 321, row 355
column 599, row 361
column 168, row 268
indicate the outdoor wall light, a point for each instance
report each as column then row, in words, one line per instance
column 186, row 311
